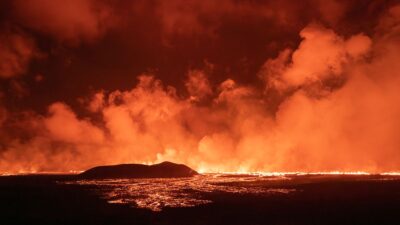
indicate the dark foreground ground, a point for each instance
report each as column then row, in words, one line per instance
column 320, row 200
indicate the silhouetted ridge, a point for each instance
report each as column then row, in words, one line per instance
column 161, row 170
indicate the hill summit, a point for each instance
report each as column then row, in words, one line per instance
column 161, row 170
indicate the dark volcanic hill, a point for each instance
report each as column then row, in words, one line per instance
column 161, row 170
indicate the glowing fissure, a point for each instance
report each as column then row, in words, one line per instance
column 256, row 173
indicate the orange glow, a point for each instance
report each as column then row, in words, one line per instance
column 326, row 103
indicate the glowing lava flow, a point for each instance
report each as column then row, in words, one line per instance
column 158, row 193
column 307, row 173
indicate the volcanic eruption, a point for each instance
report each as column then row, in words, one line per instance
column 199, row 112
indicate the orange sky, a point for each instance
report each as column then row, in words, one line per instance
column 220, row 86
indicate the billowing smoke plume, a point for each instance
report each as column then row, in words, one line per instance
column 336, row 107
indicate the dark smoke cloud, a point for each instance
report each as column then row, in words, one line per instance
column 67, row 21
column 16, row 51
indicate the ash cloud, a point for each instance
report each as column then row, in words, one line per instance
column 328, row 102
